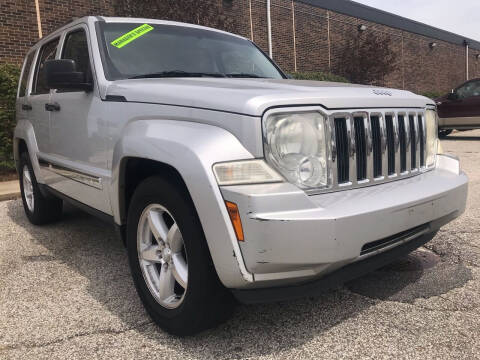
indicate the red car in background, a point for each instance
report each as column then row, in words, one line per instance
column 460, row 109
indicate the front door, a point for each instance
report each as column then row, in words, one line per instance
column 463, row 110
column 470, row 97
column 77, row 153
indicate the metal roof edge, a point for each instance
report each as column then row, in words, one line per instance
column 369, row 13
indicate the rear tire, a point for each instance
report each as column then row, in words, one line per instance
column 39, row 209
column 162, row 226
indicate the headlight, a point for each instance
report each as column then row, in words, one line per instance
column 295, row 144
column 432, row 136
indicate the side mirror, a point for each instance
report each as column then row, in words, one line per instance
column 62, row 74
column 453, row 95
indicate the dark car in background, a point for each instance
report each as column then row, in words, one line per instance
column 460, row 109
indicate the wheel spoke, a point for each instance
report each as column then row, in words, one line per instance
column 157, row 225
column 28, row 188
column 152, row 254
column 26, row 174
column 174, row 239
column 166, row 283
column 180, row 269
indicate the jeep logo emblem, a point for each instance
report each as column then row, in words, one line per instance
column 382, row 92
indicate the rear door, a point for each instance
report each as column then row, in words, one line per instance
column 23, row 107
column 40, row 96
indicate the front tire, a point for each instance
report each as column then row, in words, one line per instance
column 170, row 262
column 39, row 209
column 442, row 134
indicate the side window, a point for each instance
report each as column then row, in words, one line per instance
column 470, row 89
column 476, row 88
column 47, row 52
column 76, row 48
column 25, row 75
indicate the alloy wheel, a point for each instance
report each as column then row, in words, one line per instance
column 162, row 256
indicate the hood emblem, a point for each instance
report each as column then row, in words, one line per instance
column 382, row 92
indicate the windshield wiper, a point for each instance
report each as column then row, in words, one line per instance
column 181, row 73
column 245, row 75
column 176, row 73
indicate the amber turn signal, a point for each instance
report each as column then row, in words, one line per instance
column 235, row 219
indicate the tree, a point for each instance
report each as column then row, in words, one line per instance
column 367, row 58
column 208, row 13
column 8, row 91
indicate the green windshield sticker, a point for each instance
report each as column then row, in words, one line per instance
column 131, row 35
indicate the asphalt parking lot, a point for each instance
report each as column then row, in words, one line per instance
column 66, row 293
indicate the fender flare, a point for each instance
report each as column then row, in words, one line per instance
column 24, row 131
column 192, row 149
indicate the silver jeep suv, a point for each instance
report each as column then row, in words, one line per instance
column 224, row 178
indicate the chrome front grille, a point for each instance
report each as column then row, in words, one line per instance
column 370, row 147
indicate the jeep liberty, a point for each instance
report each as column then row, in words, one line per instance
column 225, row 179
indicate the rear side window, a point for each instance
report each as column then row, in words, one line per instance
column 26, row 75
column 47, row 52
column 76, row 48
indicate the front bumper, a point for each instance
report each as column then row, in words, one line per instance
column 291, row 237
column 331, row 280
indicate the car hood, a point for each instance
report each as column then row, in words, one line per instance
column 254, row 96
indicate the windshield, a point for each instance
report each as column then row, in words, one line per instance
column 133, row 50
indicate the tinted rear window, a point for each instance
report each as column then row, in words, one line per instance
column 26, row 74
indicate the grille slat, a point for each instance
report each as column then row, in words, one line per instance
column 402, row 137
column 343, row 164
column 376, row 147
column 360, row 140
column 421, row 134
column 413, row 142
column 390, row 144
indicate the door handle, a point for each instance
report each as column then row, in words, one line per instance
column 52, row 107
column 26, row 107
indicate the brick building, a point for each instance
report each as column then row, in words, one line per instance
column 306, row 35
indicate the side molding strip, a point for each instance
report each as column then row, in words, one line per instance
column 74, row 175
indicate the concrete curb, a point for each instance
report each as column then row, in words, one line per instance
column 9, row 190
